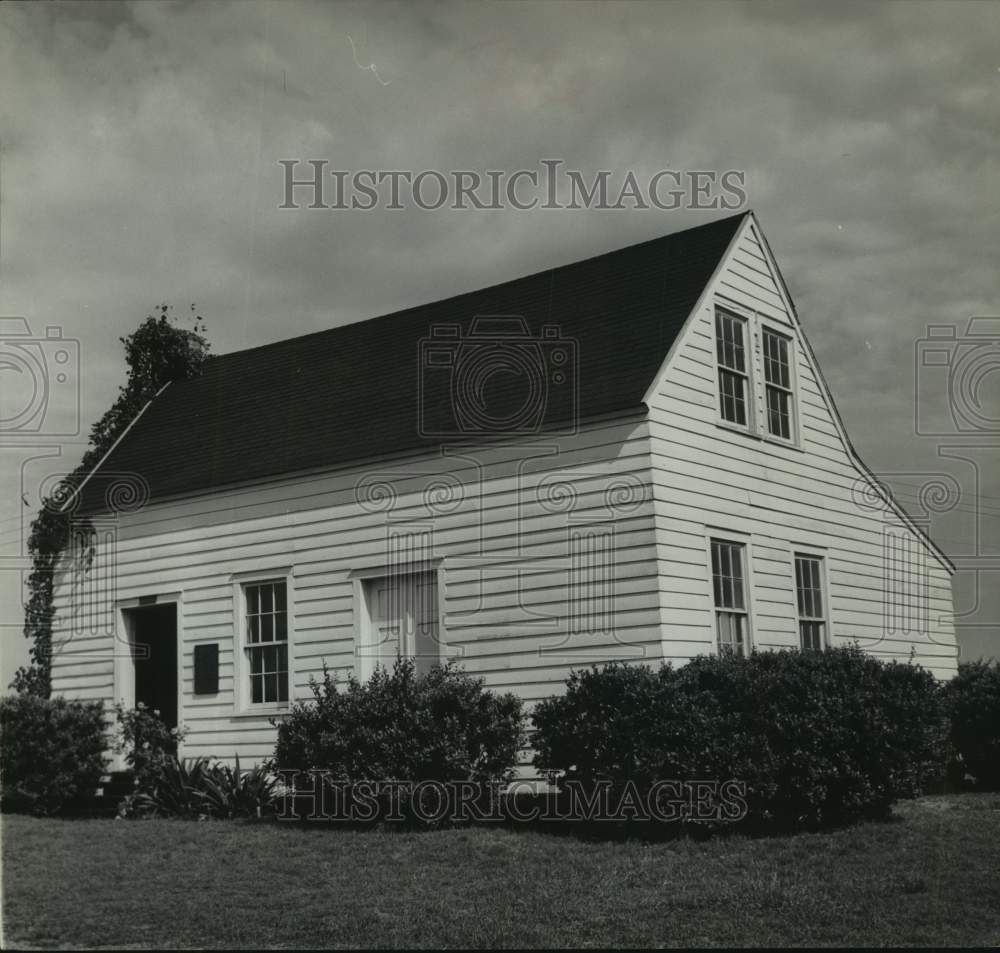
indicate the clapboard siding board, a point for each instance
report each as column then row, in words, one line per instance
column 709, row 479
column 195, row 546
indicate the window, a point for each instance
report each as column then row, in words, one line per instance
column 729, row 590
column 809, row 590
column 402, row 622
column 266, row 641
column 730, row 346
column 777, row 384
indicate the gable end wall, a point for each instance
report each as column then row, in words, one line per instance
column 887, row 588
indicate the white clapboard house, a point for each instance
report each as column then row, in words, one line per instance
column 633, row 456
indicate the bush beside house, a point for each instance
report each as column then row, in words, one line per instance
column 51, row 752
column 972, row 699
column 399, row 726
column 818, row 738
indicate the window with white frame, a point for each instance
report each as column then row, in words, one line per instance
column 729, row 591
column 265, row 641
column 731, row 354
column 777, row 383
column 401, row 621
column 811, row 604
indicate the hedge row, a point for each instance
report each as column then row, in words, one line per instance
column 810, row 738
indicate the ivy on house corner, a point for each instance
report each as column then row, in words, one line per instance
column 157, row 352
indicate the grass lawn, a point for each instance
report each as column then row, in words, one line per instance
column 929, row 878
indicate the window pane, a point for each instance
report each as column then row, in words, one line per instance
column 811, row 636
column 736, row 557
column 779, row 421
column 267, row 628
column 727, row 575
column 253, row 629
column 281, row 627
column 729, row 341
column 280, row 597
column 256, row 689
column 732, row 388
column 266, row 598
column 776, row 366
column 730, row 632
column 270, row 688
column 817, row 591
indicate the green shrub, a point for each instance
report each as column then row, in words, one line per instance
column 402, row 727
column 615, row 724
column 146, row 742
column 52, row 752
column 972, row 698
column 199, row 788
column 816, row 737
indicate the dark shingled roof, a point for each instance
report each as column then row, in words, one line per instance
column 367, row 389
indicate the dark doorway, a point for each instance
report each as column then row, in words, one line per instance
column 154, row 641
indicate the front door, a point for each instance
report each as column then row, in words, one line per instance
column 154, row 655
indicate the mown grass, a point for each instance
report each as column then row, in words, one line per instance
column 928, row 878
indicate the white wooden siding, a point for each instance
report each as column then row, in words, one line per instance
column 487, row 536
column 708, row 478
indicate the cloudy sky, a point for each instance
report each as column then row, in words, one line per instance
column 139, row 149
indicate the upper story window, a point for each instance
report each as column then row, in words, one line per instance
column 811, row 608
column 754, row 358
column 731, row 353
column 729, row 591
column 265, row 643
column 777, row 383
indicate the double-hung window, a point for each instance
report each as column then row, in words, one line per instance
column 811, row 605
column 265, row 641
column 731, row 354
column 777, row 384
column 729, row 591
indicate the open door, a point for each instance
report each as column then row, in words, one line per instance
column 153, row 637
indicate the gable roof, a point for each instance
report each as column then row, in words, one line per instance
column 354, row 392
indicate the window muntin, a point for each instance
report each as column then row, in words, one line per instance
column 266, row 640
column 810, row 602
column 731, row 353
column 777, row 384
column 729, row 592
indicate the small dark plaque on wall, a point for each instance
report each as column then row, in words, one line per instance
column 206, row 669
